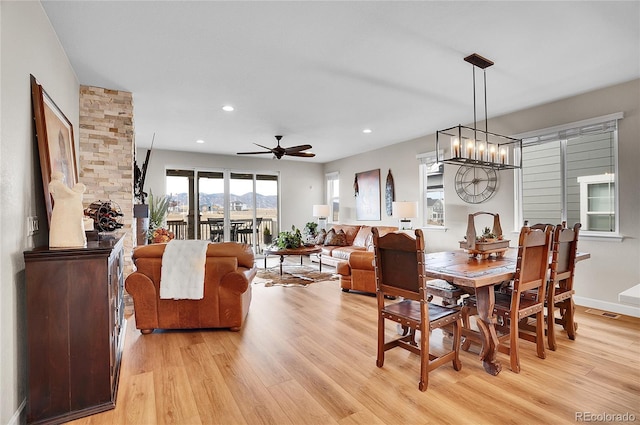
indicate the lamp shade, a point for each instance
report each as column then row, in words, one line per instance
column 321, row 210
column 405, row 209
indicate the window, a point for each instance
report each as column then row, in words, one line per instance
column 569, row 174
column 333, row 196
column 242, row 204
column 597, row 202
column 432, row 193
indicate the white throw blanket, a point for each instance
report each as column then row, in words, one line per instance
column 183, row 264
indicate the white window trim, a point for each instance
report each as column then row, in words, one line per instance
column 427, row 159
column 334, row 175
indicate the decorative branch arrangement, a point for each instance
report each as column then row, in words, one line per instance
column 139, row 176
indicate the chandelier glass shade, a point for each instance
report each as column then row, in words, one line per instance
column 472, row 146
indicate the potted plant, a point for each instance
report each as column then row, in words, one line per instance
column 267, row 236
column 488, row 236
column 311, row 230
column 158, row 209
column 289, row 239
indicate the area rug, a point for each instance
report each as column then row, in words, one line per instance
column 292, row 275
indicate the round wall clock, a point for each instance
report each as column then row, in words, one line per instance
column 475, row 184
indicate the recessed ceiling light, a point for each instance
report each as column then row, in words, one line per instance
column 200, row 141
column 366, row 131
column 228, row 108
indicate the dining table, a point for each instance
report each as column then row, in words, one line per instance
column 479, row 275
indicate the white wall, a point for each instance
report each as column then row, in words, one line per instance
column 301, row 182
column 28, row 46
column 613, row 267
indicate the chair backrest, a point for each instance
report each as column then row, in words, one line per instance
column 533, row 262
column 399, row 264
column 565, row 247
column 542, row 226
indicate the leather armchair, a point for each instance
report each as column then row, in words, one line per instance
column 358, row 272
column 229, row 270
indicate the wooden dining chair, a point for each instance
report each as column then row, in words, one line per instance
column 560, row 287
column 525, row 298
column 559, row 292
column 216, row 229
column 399, row 271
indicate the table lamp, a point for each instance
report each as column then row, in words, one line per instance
column 405, row 211
column 321, row 212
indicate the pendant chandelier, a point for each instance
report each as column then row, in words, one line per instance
column 463, row 145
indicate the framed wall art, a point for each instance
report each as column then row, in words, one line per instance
column 368, row 195
column 55, row 141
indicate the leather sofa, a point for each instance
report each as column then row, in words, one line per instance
column 229, row 270
column 354, row 263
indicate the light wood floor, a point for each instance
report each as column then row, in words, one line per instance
column 308, row 356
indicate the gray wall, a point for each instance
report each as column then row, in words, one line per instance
column 29, row 46
column 613, row 267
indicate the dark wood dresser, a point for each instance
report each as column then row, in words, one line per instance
column 75, row 322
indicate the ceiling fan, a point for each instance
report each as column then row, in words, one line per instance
column 279, row 151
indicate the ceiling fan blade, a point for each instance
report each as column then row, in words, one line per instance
column 269, row 149
column 252, row 153
column 302, row 154
column 279, row 151
column 299, row 148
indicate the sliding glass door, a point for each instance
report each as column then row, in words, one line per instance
column 231, row 206
column 211, row 206
column 181, row 214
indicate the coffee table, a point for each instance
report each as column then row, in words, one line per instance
column 303, row 250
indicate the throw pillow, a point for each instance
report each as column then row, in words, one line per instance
column 334, row 238
column 320, row 237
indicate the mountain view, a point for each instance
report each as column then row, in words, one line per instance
column 212, row 199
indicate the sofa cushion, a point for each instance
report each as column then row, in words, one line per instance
column 343, row 252
column 349, row 229
column 334, row 238
column 363, row 236
column 320, row 237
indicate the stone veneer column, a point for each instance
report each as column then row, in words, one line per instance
column 106, row 151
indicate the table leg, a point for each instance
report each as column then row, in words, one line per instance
column 485, row 303
column 320, row 261
column 281, row 260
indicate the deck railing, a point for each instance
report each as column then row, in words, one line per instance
column 241, row 230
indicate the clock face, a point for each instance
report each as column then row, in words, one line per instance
column 475, row 184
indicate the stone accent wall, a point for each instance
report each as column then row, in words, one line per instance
column 106, row 152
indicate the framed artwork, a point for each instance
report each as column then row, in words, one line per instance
column 368, row 195
column 55, row 141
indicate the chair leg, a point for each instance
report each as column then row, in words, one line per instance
column 380, row 359
column 514, row 349
column 551, row 333
column 424, row 357
column 540, row 334
column 570, row 324
column 457, row 333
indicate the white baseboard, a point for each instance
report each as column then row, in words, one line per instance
column 627, row 310
column 15, row 419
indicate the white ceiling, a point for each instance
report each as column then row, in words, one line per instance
column 321, row 72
